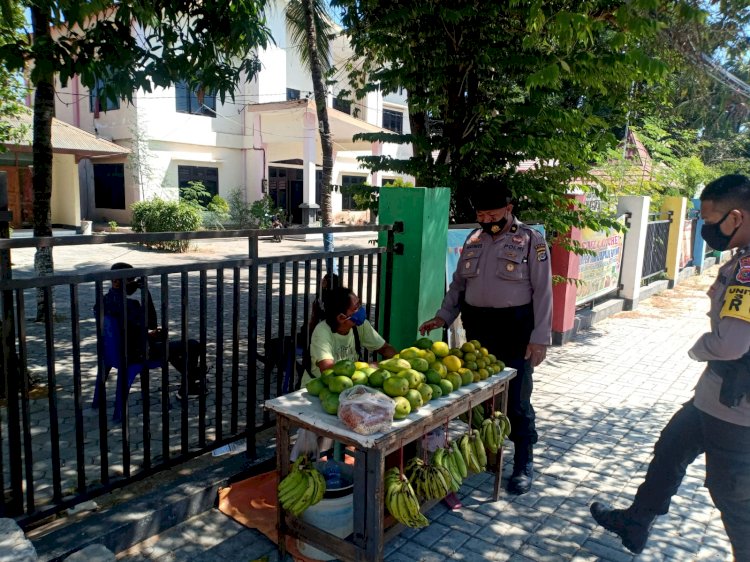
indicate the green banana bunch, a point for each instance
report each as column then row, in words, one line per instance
column 430, row 481
column 472, row 450
column 479, row 451
column 491, row 434
column 443, row 457
column 302, row 487
column 401, row 500
column 477, row 416
column 458, row 458
column 504, row 423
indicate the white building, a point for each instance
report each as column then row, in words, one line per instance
column 264, row 141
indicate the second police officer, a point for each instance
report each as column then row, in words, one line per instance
column 502, row 288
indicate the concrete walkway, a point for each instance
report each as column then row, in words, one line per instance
column 601, row 401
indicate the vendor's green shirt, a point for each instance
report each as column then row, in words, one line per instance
column 326, row 344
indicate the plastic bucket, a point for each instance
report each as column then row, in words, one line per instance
column 334, row 514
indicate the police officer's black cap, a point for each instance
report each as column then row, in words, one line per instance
column 490, row 194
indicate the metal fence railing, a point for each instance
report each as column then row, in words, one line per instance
column 247, row 314
column 655, row 253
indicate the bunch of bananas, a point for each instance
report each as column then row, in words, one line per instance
column 494, row 431
column 452, row 460
column 477, row 417
column 430, row 481
column 302, row 487
column 472, row 449
column 401, row 500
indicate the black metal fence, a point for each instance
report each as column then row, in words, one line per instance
column 248, row 315
column 655, row 252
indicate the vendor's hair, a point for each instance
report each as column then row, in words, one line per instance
column 332, row 280
column 732, row 190
column 336, row 301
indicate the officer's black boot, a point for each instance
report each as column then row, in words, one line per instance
column 631, row 525
column 523, row 470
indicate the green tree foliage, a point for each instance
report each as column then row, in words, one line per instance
column 492, row 84
column 128, row 45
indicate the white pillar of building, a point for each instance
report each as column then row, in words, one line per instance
column 309, row 156
column 634, row 247
column 255, row 162
column 375, row 177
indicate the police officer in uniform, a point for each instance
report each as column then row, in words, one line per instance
column 716, row 421
column 503, row 289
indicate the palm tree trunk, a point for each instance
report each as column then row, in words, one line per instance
column 44, row 111
column 326, row 143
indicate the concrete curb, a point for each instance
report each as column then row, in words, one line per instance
column 134, row 521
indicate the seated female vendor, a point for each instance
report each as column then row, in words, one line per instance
column 334, row 339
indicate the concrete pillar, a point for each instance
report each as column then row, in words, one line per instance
column 633, row 247
column 678, row 206
column 699, row 246
column 565, row 264
column 309, row 155
column 418, row 279
column 377, row 150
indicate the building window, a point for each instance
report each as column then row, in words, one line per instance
column 342, row 105
column 209, row 177
column 347, row 197
column 109, row 186
column 292, row 94
column 97, row 101
column 189, row 101
column 393, row 121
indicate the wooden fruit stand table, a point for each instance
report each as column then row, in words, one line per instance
column 299, row 409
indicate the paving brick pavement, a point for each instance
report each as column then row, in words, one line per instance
column 601, row 401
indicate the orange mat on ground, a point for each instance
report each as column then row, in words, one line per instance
column 252, row 503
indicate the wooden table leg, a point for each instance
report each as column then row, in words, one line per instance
column 374, row 509
column 499, row 458
column 282, row 464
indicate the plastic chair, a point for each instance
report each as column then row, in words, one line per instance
column 111, row 360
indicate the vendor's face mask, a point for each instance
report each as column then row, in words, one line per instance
column 358, row 317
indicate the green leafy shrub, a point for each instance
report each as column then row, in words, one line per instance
column 157, row 215
column 196, row 195
column 239, row 210
column 216, row 214
column 262, row 210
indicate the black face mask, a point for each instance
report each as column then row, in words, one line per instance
column 494, row 227
column 714, row 237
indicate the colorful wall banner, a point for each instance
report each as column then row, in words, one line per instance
column 599, row 273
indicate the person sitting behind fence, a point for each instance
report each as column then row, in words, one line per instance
column 345, row 330
column 155, row 336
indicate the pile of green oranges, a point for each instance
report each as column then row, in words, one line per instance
column 426, row 371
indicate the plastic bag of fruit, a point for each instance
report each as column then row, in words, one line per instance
column 365, row 410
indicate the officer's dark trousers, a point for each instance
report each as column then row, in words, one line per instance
column 689, row 433
column 505, row 332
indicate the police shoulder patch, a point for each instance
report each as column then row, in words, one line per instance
column 541, row 252
column 736, row 303
column 743, row 270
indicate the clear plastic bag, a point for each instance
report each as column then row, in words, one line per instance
column 365, row 410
